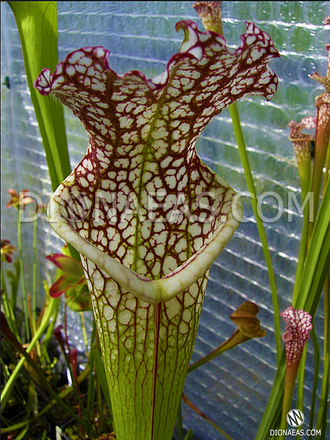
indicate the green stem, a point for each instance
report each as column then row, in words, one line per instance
column 91, row 385
column 304, row 241
column 20, row 252
column 300, row 383
column 236, row 339
column 35, row 271
column 302, row 253
column 233, row 111
column 319, row 161
column 100, row 405
column 205, row 359
column 5, row 393
column 16, row 427
column 322, row 142
column 272, row 410
column 316, row 376
column 189, row 435
column 322, row 413
column 290, row 380
column 308, row 227
column 92, row 376
column 194, row 408
column 50, row 329
column 22, row 434
column 34, row 285
column 83, row 329
column 7, row 306
column 327, row 166
column 301, row 379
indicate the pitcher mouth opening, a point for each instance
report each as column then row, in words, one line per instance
column 146, row 288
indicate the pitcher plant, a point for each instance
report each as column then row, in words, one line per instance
column 146, row 214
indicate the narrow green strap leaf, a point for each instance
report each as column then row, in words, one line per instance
column 189, row 435
column 312, row 281
column 101, row 375
column 37, row 26
column 302, row 251
column 204, row 416
column 233, row 111
column 22, row 434
column 301, row 380
column 323, row 405
column 273, row 408
column 317, row 260
column 315, row 376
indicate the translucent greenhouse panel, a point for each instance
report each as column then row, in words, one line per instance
column 232, row 390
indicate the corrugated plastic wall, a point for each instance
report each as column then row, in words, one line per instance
column 233, row 389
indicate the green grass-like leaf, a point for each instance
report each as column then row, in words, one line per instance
column 317, row 261
column 313, row 276
column 239, row 136
column 37, row 26
column 38, row 30
column 101, row 375
column 189, row 435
